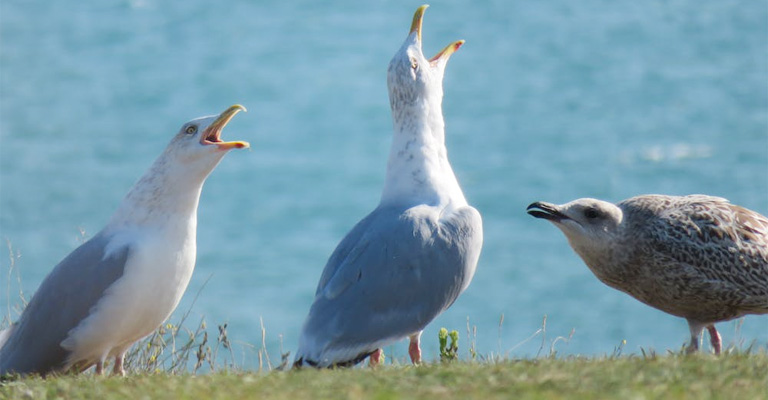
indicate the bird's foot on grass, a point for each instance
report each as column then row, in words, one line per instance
column 118, row 368
column 375, row 358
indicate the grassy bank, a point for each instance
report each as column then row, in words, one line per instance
column 187, row 359
column 738, row 376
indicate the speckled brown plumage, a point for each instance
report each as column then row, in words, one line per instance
column 697, row 257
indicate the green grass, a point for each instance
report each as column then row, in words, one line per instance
column 737, row 376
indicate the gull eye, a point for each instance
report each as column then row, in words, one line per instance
column 414, row 64
column 591, row 213
column 191, row 130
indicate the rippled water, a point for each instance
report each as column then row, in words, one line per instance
column 546, row 101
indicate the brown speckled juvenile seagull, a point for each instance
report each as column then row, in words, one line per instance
column 697, row 257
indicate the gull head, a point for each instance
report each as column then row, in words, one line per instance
column 590, row 225
column 198, row 143
column 411, row 77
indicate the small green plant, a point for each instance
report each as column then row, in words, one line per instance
column 448, row 352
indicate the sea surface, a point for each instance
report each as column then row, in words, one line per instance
column 547, row 101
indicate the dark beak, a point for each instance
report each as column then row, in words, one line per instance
column 547, row 211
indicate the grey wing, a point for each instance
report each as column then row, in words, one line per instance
column 346, row 252
column 402, row 271
column 65, row 298
column 721, row 250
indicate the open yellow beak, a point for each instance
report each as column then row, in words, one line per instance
column 418, row 17
column 212, row 134
column 447, row 51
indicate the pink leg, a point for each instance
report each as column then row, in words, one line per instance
column 414, row 350
column 714, row 338
column 118, row 369
column 375, row 358
column 100, row 368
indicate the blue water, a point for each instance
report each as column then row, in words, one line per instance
column 546, row 101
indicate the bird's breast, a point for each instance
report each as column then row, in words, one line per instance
column 156, row 275
column 168, row 258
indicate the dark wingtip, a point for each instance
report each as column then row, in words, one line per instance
column 301, row 362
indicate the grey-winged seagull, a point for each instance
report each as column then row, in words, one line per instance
column 697, row 257
column 409, row 259
column 120, row 285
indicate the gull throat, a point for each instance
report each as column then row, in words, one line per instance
column 163, row 193
column 418, row 171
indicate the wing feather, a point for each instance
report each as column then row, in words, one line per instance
column 65, row 298
column 389, row 277
column 710, row 255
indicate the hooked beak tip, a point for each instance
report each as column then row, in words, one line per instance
column 418, row 18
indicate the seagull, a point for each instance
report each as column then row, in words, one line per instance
column 697, row 257
column 120, row 285
column 409, row 259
